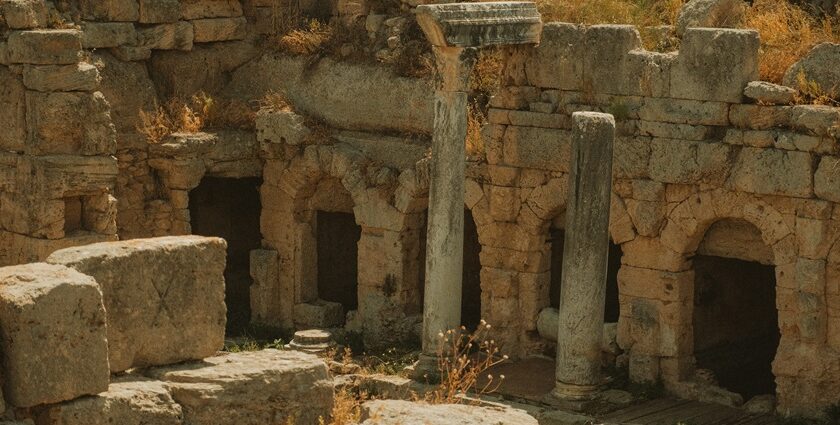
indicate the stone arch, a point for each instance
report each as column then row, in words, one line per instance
column 663, row 290
column 387, row 203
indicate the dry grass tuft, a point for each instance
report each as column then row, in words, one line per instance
column 274, row 102
column 475, row 139
column 634, row 12
column 347, row 408
column 787, row 33
column 308, row 40
column 195, row 114
column 463, row 360
column 811, row 93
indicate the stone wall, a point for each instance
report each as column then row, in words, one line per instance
column 58, row 175
column 692, row 150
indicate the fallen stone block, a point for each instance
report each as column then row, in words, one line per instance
column 52, row 323
column 392, row 412
column 164, row 296
column 130, row 400
column 45, row 47
column 251, row 388
column 769, row 94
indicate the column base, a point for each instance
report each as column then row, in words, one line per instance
column 573, row 392
column 426, row 369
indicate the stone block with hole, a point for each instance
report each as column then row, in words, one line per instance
column 52, row 323
column 165, row 297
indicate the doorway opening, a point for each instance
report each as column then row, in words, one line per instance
column 338, row 258
column 229, row 208
column 471, row 287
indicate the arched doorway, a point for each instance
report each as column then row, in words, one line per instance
column 735, row 319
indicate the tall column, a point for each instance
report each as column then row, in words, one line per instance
column 445, row 234
column 582, row 293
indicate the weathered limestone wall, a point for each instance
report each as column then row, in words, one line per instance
column 691, row 150
column 58, row 175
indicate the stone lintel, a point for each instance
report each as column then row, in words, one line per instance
column 480, row 24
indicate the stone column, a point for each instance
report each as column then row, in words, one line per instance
column 456, row 31
column 582, row 295
column 445, row 234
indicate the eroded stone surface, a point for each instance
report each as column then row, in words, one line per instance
column 53, row 334
column 164, row 296
column 392, row 412
column 251, row 388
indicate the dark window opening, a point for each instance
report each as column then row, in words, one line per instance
column 73, row 215
column 338, row 252
column 736, row 330
column 230, row 209
column 611, row 306
column 471, row 287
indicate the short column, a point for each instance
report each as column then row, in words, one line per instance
column 586, row 244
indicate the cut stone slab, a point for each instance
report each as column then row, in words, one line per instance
column 251, row 388
column 818, row 66
column 52, row 323
column 165, row 297
column 769, row 94
column 410, row 413
column 130, row 400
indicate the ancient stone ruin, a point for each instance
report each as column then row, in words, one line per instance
column 664, row 214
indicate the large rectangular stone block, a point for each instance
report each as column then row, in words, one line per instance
column 52, row 323
column 164, row 296
column 45, row 47
column 251, row 388
column 715, row 64
column 773, row 172
column 684, row 162
column 67, row 123
column 557, row 62
column 533, row 147
column 76, row 77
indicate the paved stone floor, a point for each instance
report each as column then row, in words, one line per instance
column 531, row 379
